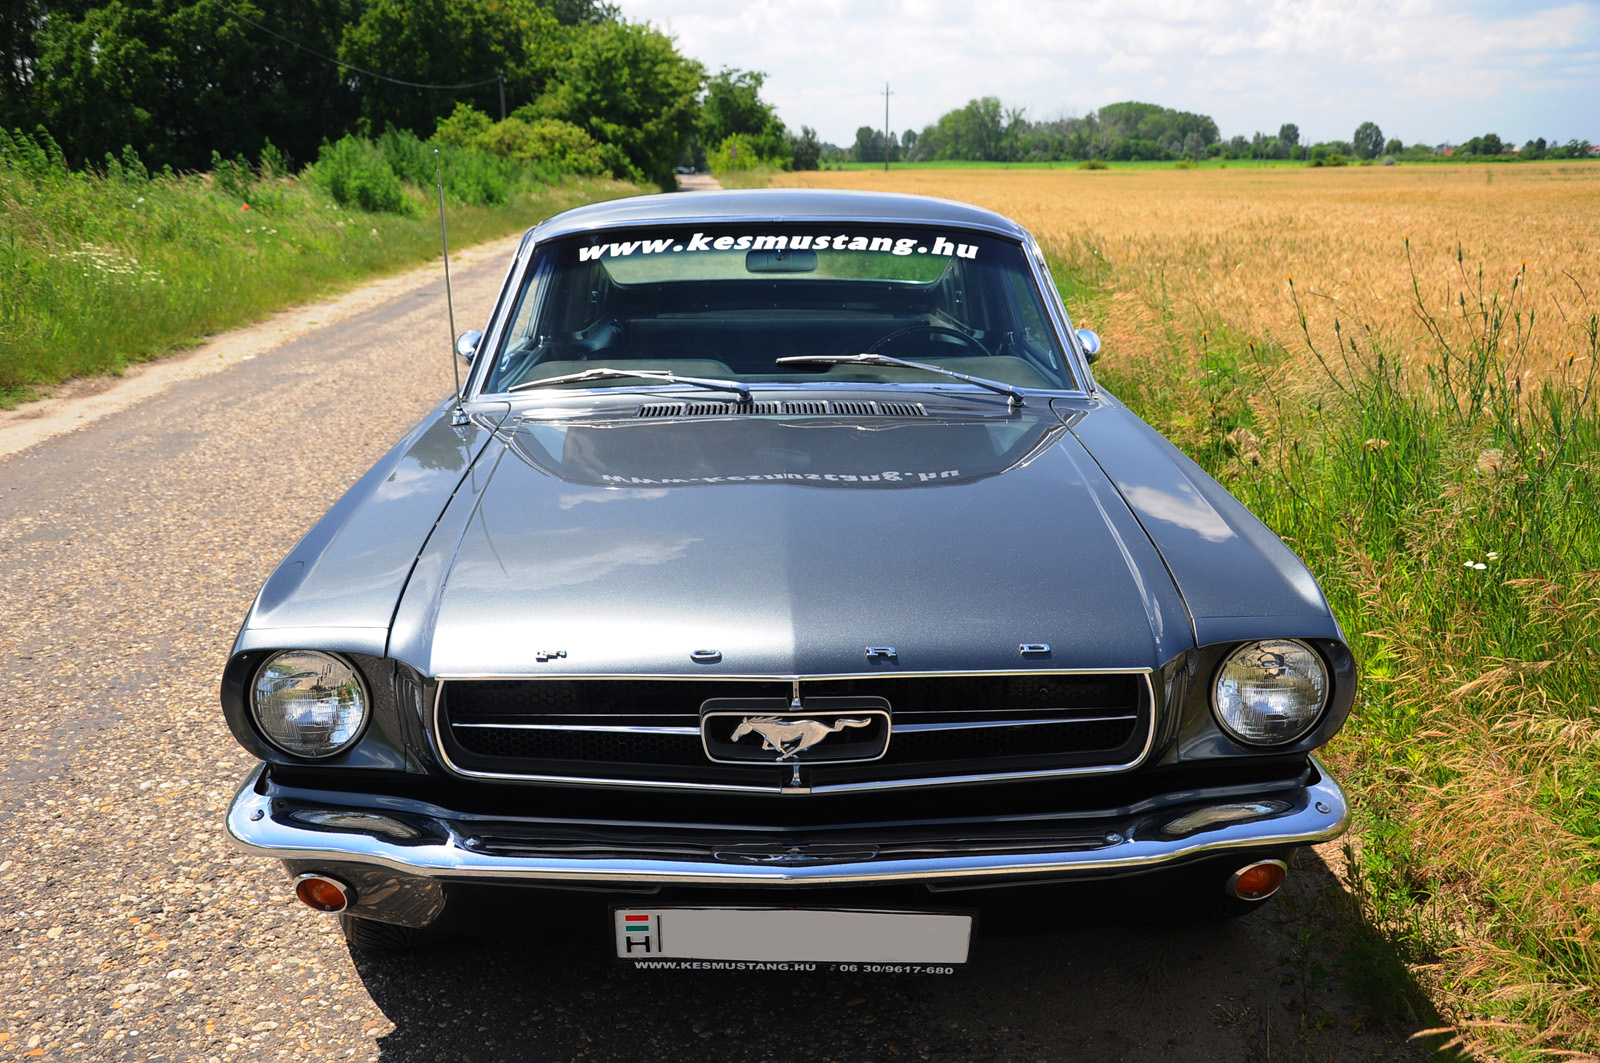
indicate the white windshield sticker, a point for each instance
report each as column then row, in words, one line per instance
column 939, row 246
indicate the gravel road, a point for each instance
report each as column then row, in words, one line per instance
column 130, row 929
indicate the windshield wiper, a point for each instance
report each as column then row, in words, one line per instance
column 1013, row 396
column 607, row 373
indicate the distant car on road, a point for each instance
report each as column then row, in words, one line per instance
column 784, row 576
column 685, row 170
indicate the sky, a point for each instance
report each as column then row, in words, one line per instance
column 1430, row 71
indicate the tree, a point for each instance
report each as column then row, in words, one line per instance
column 733, row 105
column 19, row 21
column 1014, row 127
column 976, row 131
column 627, row 85
column 177, row 79
column 1289, row 133
column 1368, row 140
column 805, row 151
column 583, row 12
column 449, row 42
column 869, row 145
column 1394, row 147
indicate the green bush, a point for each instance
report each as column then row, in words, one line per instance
column 1334, row 159
column 273, row 162
column 231, row 176
column 356, row 173
column 529, row 139
column 33, row 156
column 1093, row 164
column 463, row 127
column 551, row 141
column 738, row 152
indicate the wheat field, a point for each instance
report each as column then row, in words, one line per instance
column 1220, row 245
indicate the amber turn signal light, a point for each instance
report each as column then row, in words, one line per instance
column 323, row 893
column 1258, row 881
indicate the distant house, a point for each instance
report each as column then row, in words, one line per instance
column 1445, row 149
column 1594, row 150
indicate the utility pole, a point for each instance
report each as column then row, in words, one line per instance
column 886, row 95
column 502, row 95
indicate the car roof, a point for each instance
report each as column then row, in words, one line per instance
column 774, row 205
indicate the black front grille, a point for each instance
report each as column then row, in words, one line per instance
column 589, row 698
column 947, row 728
column 587, row 746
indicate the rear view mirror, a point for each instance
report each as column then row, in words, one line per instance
column 780, row 261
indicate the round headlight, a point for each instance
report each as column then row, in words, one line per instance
column 309, row 704
column 1270, row 693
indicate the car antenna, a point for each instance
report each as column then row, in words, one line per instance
column 460, row 415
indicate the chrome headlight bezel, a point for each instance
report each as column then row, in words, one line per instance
column 350, row 735
column 1227, row 717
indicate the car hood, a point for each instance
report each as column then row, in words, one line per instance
column 788, row 547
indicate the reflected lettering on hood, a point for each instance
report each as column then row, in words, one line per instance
column 809, row 453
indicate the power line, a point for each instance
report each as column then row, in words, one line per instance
column 357, row 69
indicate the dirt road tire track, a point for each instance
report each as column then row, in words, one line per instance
column 129, row 929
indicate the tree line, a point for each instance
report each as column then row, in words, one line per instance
column 987, row 130
column 182, row 82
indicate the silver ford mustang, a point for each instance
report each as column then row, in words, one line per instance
column 781, row 577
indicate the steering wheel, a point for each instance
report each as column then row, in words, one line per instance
column 931, row 330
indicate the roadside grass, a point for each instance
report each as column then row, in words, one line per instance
column 1449, row 509
column 101, row 270
column 1417, row 416
column 755, row 177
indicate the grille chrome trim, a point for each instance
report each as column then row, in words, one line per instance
column 436, row 736
column 968, row 725
column 618, row 728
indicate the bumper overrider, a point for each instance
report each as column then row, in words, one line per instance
column 413, row 840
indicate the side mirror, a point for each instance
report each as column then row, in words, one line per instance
column 467, row 343
column 1089, row 340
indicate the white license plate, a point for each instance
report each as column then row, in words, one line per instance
column 876, row 942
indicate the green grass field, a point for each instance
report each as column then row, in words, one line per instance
column 100, row 271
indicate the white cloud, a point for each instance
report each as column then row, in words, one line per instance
column 1423, row 69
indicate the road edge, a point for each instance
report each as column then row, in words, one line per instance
column 84, row 401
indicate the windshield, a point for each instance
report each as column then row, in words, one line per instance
column 726, row 302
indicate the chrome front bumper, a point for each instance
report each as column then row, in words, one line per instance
column 421, row 840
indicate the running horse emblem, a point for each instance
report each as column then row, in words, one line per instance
column 789, row 737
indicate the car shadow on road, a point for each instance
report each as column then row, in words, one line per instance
column 1300, row 979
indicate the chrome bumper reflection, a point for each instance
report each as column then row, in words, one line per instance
column 416, row 840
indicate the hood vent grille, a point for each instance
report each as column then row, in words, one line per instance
column 807, row 408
